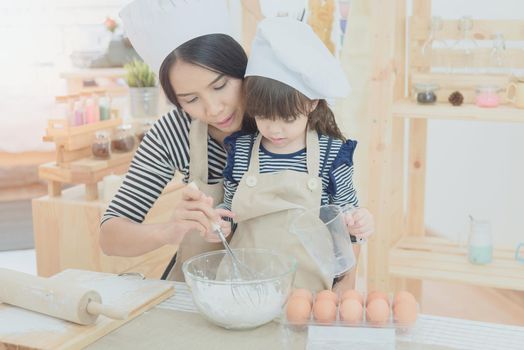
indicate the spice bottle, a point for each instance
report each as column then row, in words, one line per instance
column 101, row 147
column 124, row 139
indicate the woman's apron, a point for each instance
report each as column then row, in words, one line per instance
column 193, row 243
column 265, row 204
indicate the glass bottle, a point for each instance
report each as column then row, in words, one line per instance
column 480, row 243
column 433, row 48
column 104, row 106
column 78, row 110
column 465, row 49
column 123, row 139
column 101, row 146
column 498, row 62
column 89, row 108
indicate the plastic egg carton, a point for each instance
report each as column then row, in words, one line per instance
column 361, row 322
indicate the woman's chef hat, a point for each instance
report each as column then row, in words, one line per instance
column 288, row 50
column 157, row 27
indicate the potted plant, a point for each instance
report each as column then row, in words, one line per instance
column 143, row 89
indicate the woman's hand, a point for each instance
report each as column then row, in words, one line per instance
column 360, row 222
column 195, row 212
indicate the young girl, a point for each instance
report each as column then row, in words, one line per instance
column 299, row 158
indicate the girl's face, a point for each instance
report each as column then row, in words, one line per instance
column 280, row 136
column 208, row 96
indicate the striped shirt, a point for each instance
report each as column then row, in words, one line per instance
column 163, row 151
column 336, row 167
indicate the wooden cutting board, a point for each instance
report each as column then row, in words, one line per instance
column 23, row 329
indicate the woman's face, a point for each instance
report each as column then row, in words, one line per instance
column 208, row 96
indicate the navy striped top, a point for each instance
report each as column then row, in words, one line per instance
column 336, row 166
column 163, row 151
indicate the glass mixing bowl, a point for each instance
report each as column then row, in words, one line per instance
column 234, row 303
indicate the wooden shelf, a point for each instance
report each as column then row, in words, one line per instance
column 86, row 170
column 420, row 257
column 445, row 111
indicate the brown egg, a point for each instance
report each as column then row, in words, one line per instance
column 352, row 294
column 325, row 311
column 305, row 293
column 376, row 294
column 403, row 295
column 329, row 295
column 298, row 310
column 350, row 311
column 377, row 311
column 405, row 312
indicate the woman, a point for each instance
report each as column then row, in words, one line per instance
column 201, row 70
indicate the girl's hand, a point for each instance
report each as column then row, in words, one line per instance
column 360, row 222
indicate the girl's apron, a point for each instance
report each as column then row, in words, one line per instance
column 193, row 243
column 265, row 205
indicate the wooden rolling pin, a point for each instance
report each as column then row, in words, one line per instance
column 54, row 298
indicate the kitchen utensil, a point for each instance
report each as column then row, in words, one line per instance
column 55, row 299
column 214, row 291
column 323, row 233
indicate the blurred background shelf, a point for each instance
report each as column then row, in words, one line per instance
column 445, row 111
column 423, row 257
column 82, row 80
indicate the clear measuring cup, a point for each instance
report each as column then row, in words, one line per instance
column 323, row 233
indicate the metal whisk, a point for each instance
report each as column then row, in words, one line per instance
column 239, row 271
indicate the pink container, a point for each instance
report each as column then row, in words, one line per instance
column 487, row 96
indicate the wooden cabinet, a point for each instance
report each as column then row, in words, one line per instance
column 67, row 230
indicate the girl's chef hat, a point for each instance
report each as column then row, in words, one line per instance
column 288, row 50
column 157, row 27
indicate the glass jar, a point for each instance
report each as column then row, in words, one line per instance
column 101, row 146
column 424, row 93
column 487, row 96
column 143, row 128
column 123, row 139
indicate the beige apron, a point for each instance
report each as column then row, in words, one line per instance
column 193, row 243
column 265, row 205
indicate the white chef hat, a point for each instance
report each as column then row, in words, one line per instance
column 157, row 27
column 288, row 50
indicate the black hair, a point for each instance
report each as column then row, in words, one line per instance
column 217, row 52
